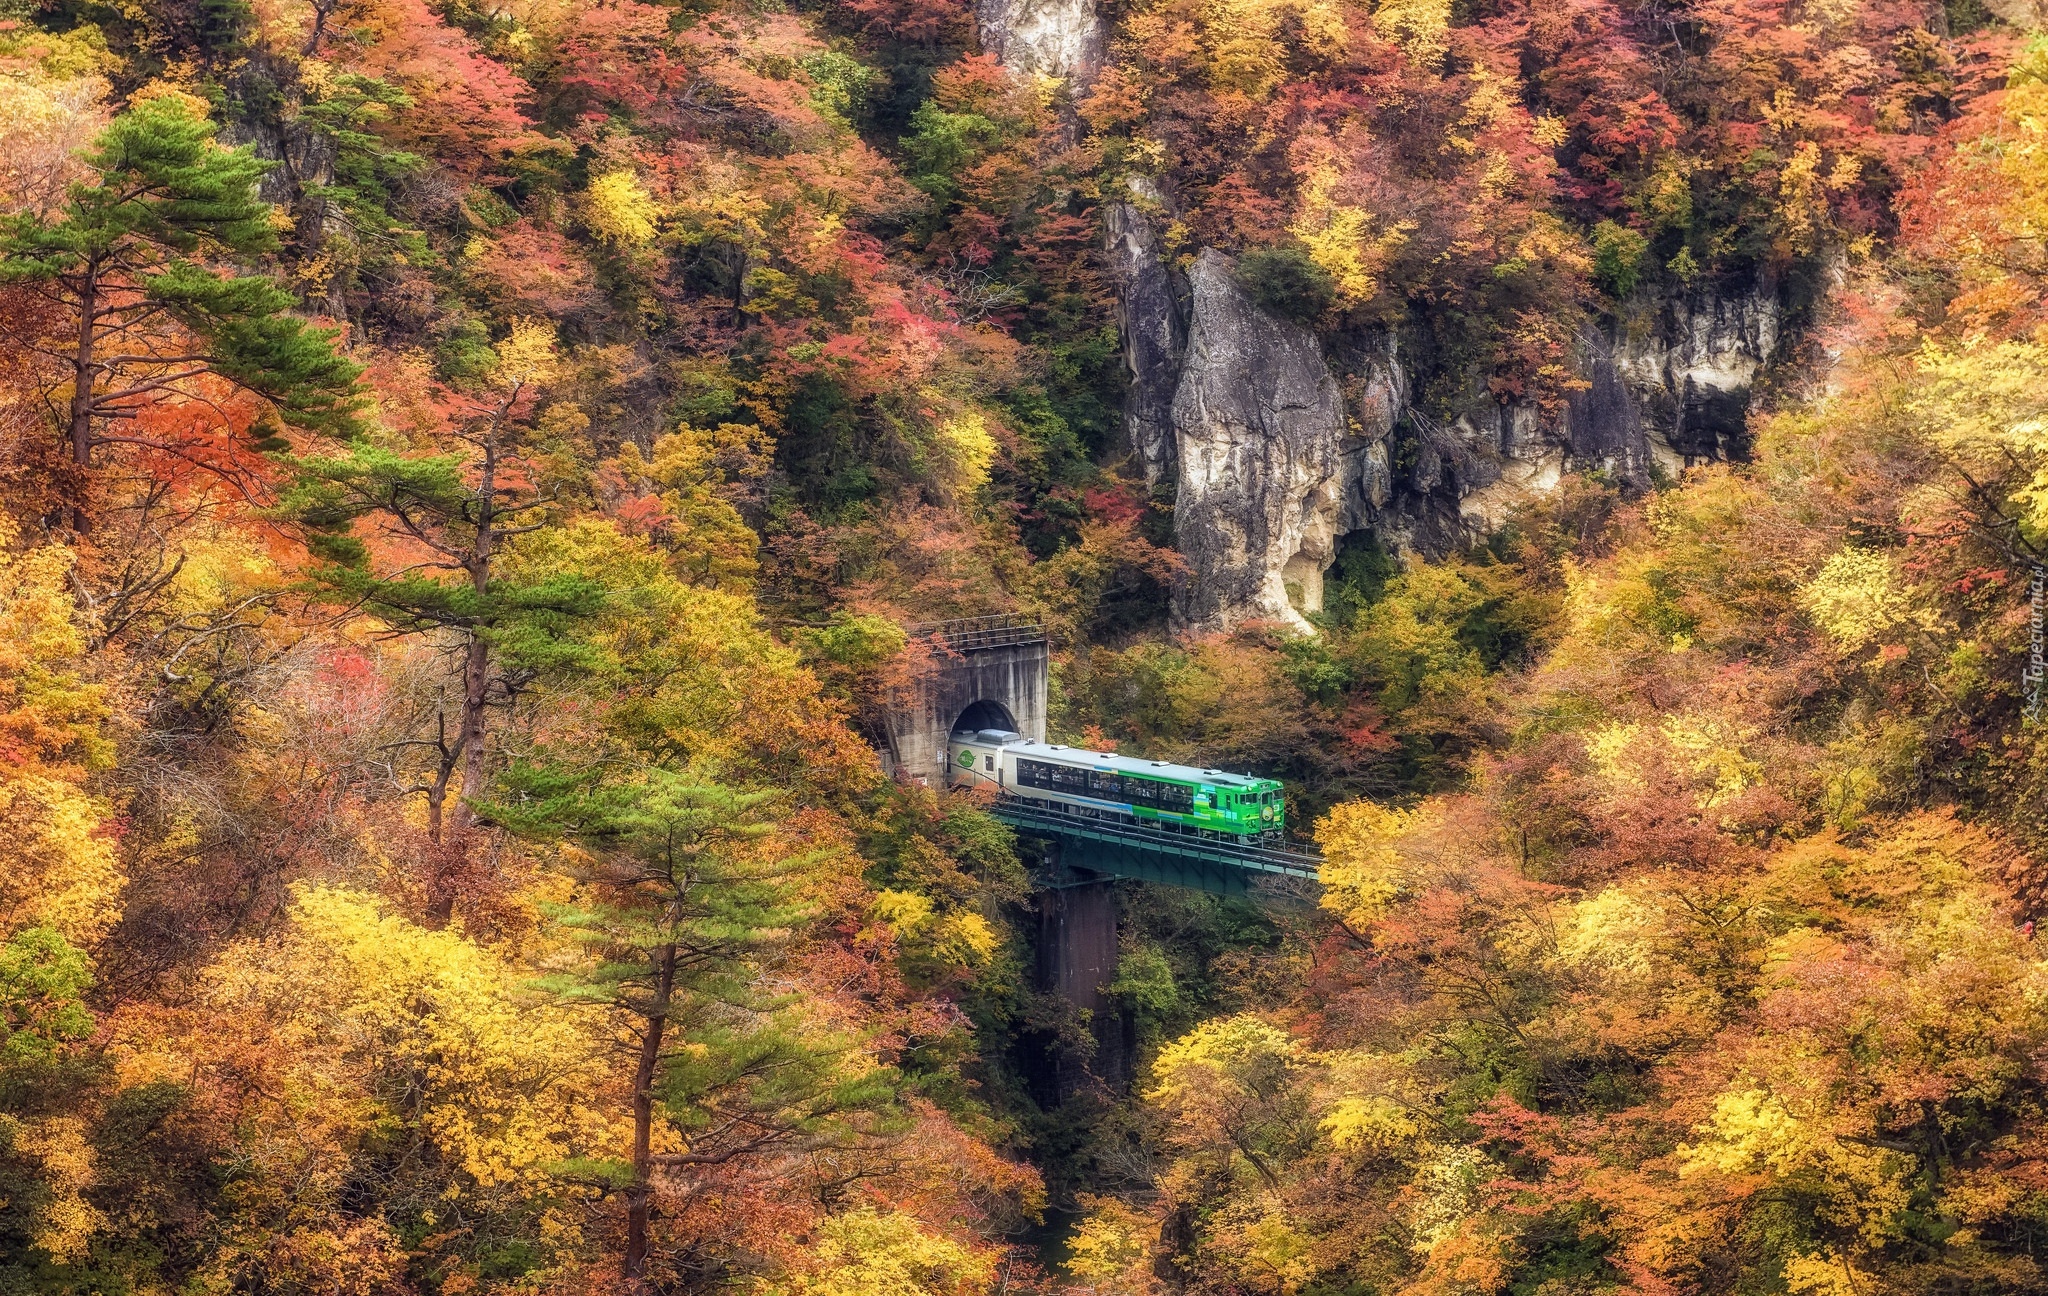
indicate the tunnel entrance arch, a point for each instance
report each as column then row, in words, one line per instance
column 985, row 713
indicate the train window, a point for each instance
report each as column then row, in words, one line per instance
column 1053, row 778
column 1155, row 795
column 1107, row 784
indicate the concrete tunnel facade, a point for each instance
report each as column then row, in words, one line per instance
column 978, row 681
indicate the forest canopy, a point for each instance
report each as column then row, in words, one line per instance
column 470, row 476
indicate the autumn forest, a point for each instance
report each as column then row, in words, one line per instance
column 472, row 473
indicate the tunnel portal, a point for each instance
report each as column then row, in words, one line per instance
column 985, row 673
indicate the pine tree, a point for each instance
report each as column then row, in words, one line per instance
column 689, row 903
column 461, row 509
column 142, row 313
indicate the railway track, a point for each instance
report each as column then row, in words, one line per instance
column 1121, row 843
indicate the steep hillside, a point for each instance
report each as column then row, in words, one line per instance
column 465, row 472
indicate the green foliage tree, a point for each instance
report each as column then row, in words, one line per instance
column 1618, row 254
column 460, row 509
column 140, row 313
column 43, row 981
column 689, row 900
column 1287, row 282
column 365, row 169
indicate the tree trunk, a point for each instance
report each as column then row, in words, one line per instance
column 320, row 8
column 476, row 691
column 82, row 385
column 640, row 1196
column 476, row 664
column 437, row 797
column 437, row 791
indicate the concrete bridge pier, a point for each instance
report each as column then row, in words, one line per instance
column 1077, row 960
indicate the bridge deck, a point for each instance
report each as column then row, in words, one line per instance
column 1156, row 855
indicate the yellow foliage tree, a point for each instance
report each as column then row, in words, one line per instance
column 393, row 1029
column 62, row 870
column 620, row 210
column 1985, row 405
column 707, row 540
column 1235, row 1086
column 1247, row 42
column 1110, row 1250
column 1362, row 871
column 1855, row 597
column 46, row 123
column 868, row 1252
column 1421, row 27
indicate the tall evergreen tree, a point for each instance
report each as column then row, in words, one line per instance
column 456, row 512
column 132, row 264
column 687, row 908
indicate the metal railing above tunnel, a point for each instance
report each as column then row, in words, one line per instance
column 1121, row 849
column 963, row 634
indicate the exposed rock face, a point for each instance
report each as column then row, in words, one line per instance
column 1269, row 473
column 1690, row 363
column 1279, row 443
column 1056, row 38
column 1604, row 427
column 1468, row 477
column 1151, row 316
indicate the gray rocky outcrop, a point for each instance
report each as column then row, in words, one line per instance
column 1690, row 362
column 1152, row 320
column 1604, row 428
column 1055, row 38
column 1277, row 443
column 1269, row 472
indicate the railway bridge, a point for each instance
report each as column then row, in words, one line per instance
column 991, row 673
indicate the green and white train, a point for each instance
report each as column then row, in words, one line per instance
column 1182, row 798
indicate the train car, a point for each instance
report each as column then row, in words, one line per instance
column 1155, row 793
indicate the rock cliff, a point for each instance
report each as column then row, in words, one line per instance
column 1690, row 364
column 1054, row 38
column 1152, row 319
column 1269, row 471
column 1278, row 444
